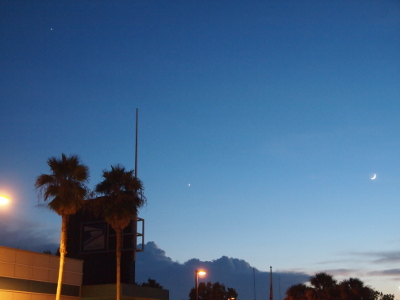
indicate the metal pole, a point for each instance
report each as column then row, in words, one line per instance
column 271, row 295
column 136, row 218
column 254, row 279
column 136, row 143
column 197, row 284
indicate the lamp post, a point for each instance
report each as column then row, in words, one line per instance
column 4, row 200
column 196, row 277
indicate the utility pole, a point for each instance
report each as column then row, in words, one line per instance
column 271, row 294
column 136, row 143
column 254, row 278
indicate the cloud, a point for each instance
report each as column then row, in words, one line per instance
column 26, row 235
column 341, row 272
column 388, row 257
column 381, row 257
column 389, row 272
column 236, row 273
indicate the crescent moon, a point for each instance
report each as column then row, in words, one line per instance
column 373, row 176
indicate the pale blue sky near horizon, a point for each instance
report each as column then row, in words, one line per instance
column 260, row 123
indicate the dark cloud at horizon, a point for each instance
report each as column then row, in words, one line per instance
column 179, row 278
column 26, row 235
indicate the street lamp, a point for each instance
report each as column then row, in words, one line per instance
column 4, row 200
column 198, row 272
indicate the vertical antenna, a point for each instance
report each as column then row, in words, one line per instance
column 279, row 277
column 271, row 295
column 254, row 278
column 135, row 221
column 136, row 143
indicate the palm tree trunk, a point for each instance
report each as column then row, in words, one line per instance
column 63, row 251
column 118, row 254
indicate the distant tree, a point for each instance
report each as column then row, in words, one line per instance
column 297, row 292
column 119, row 206
column 231, row 293
column 354, row 288
column 152, row 283
column 381, row 296
column 324, row 287
column 56, row 253
column 65, row 190
column 210, row 291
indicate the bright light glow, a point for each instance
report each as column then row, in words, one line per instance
column 4, row 200
column 201, row 273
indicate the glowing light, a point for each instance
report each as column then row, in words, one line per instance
column 201, row 273
column 4, row 200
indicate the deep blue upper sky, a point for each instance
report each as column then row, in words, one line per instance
column 261, row 123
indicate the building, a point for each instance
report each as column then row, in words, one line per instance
column 90, row 266
column 92, row 240
column 26, row 275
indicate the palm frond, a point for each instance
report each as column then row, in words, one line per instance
column 121, row 196
column 65, row 187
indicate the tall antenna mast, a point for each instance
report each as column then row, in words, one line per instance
column 279, row 277
column 271, row 295
column 136, row 143
column 254, row 278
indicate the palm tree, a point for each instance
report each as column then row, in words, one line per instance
column 65, row 190
column 354, row 289
column 324, row 286
column 297, row 292
column 119, row 206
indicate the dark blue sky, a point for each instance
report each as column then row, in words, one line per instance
column 261, row 123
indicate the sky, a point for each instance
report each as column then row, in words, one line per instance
column 260, row 125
